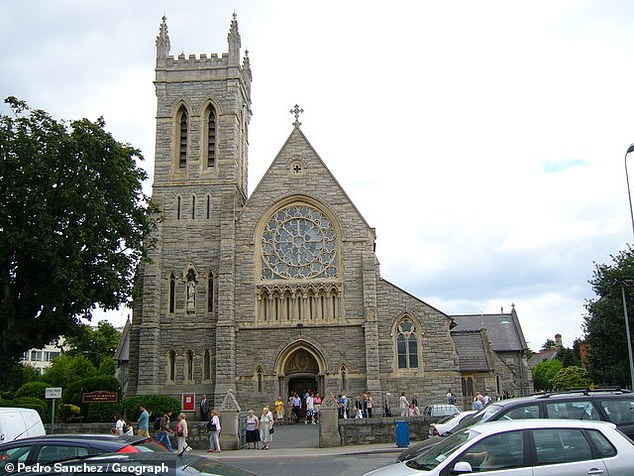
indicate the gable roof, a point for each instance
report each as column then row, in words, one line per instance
column 298, row 147
column 504, row 329
column 473, row 350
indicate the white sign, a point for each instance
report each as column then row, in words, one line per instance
column 53, row 392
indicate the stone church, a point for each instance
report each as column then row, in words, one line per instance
column 278, row 291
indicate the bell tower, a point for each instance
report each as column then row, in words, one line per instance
column 185, row 302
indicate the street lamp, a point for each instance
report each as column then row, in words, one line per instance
column 628, row 282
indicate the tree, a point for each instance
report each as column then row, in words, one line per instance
column 543, row 374
column 95, row 344
column 548, row 344
column 604, row 326
column 571, row 377
column 74, row 224
column 67, row 369
column 567, row 356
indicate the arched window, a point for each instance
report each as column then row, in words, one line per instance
column 467, row 386
column 210, row 293
column 172, row 294
column 207, row 366
column 171, row 365
column 259, row 376
column 343, row 379
column 211, row 137
column 193, row 206
column 189, row 366
column 182, row 137
column 407, row 345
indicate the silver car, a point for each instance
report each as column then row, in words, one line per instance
column 525, row 448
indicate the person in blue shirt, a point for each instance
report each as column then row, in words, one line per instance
column 144, row 422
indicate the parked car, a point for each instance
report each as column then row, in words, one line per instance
column 525, row 448
column 145, row 464
column 440, row 410
column 448, row 423
column 52, row 448
column 613, row 405
column 18, row 423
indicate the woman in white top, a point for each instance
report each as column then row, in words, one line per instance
column 266, row 426
column 182, row 432
column 214, row 434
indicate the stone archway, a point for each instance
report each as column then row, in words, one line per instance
column 301, row 367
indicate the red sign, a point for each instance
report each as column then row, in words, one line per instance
column 99, row 396
column 189, row 402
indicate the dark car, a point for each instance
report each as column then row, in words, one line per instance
column 51, row 448
column 613, row 405
column 144, row 464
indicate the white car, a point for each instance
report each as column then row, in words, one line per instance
column 447, row 423
column 525, row 448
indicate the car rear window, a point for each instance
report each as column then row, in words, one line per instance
column 605, row 448
column 619, row 411
column 573, row 410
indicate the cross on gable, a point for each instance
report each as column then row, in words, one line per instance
column 296, row 111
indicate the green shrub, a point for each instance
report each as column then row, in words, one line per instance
column 69, row 413
column 32, row 389
column 94, row 412
column 157, row 404
column 37, row 404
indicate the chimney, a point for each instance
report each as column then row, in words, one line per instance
column 558, row 341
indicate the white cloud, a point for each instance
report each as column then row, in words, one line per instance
column 483, row 140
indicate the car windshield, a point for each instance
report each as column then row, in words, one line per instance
column 446, row 419
column 483, row 415
column 439, row 453
column 150, row 445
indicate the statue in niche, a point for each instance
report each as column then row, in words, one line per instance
column 191, row 291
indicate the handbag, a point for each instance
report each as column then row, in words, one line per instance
column 272, row 430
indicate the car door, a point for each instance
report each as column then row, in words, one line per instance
column 564, row 452
column 501, row 454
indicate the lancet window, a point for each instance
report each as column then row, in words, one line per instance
column 182, row 137
column 171, row 365
column 407, row 345
column 211, row 137
column 172, row 294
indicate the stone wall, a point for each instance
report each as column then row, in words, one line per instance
column 365, row 431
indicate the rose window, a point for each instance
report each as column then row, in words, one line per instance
column 298, row 242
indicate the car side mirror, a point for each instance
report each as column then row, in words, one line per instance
column 462, row 467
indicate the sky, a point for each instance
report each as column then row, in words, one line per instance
column 484, row 140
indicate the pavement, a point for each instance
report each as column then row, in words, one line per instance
column 299, row 452
column 301, row 440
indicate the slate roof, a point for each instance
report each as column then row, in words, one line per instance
column 546, row 354
column 472, row 350
column 503, row 330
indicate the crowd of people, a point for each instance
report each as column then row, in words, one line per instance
column 259, row 430
column 360, row 407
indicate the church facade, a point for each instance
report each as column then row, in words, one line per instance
column 261, row 295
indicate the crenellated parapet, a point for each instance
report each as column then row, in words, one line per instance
column 203, row 66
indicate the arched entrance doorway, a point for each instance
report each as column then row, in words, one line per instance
column 301, row 368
